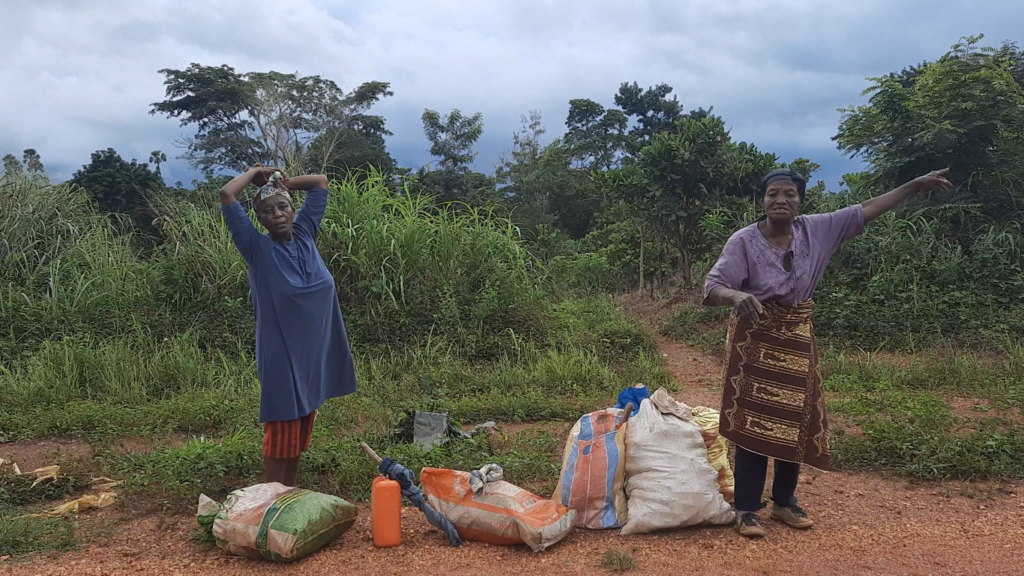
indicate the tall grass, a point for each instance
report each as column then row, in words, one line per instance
column 461, row 275
column 406, row 271
column 62, row 269
column 446, row 312
column 37, row 226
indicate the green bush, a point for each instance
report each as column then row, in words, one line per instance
column 596, row 324
column 584, row 274
column 908, row 282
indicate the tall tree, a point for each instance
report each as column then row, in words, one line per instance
column 602, row 138
column 115, row 184
column 12, row 166
column 33, row 162
column 574, row 199
column 964, row 111
column 681, row 174
column 516, row 169
column 156, row 158
column 595, row 136
column 268, row 117
column 543, row 187
column 350, row 138
column 452, row 138
column 1011, row 55
column 343, row 150
column 653, row 110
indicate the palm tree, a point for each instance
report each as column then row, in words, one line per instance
column 157, row 157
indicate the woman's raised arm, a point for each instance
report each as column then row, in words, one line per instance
column 879, row 205
column 257, row 175
column 306, row 182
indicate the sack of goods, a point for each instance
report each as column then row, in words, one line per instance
column 593, row 470
column 718, row 450
column 669, row 481
column 497, row 512
column 275, row 522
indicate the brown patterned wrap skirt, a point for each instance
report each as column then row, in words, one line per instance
column 772, row 402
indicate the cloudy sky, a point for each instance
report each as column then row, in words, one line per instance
column 80, row 76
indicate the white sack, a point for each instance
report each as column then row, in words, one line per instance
column 669, row 481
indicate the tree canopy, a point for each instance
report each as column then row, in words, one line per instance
column 683, row 173
column 964, row 111
column 30, row 162
column 117, row 185
column 12, row 166
column 33, row 162
column 452, row 137
column 274, row 118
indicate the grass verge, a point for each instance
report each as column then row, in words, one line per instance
column 334, row 464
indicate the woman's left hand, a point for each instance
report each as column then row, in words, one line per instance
column 934, row 180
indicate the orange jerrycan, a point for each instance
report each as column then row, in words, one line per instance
column 386, row 512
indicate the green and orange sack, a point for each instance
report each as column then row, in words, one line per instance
column 275, row 522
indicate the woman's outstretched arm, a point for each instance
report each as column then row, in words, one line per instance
column 879, row 205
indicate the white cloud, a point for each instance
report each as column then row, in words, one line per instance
column 81, row 76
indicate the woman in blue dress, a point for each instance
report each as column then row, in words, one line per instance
column 302, row 351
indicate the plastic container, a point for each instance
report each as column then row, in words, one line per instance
column 386, row 512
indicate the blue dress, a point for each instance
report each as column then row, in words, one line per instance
column 302, row 351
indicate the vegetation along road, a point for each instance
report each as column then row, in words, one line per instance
column 572, row 272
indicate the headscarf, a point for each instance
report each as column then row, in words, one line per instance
column 788, row 175
column 271, row 189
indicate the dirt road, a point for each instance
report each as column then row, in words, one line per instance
column 866, row 524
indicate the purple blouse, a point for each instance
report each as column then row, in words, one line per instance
column 750, row 263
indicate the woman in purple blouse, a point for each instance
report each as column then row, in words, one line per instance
column 772, row 402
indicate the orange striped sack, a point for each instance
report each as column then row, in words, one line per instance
column 593, row 470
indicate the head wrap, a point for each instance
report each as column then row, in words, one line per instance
column 271, row 189
column 787, row 175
